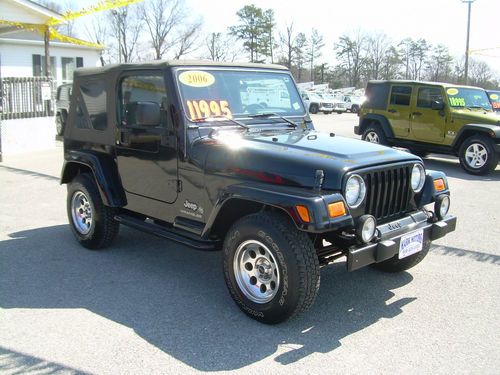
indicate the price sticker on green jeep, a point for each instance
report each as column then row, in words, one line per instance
column 411, row 243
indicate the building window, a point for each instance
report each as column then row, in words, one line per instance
column 39, row 63
column 69, row 64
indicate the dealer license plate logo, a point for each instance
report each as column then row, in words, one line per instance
column 411, row 243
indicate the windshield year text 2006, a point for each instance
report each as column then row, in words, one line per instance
column 201, row 108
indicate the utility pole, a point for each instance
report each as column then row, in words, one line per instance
column 466, row 72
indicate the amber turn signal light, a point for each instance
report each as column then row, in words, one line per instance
column 439, row 184
column 303, row 213
column 336, row 209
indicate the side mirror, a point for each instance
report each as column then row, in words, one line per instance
column 437, row 105
column 147, row 114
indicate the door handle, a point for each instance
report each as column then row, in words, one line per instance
column 417, row 113
column 391, row 111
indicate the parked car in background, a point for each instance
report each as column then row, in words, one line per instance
column 338, row 105
column 353, row 103
column 316, row 103
column 494, row 97
column 433, row 117
column 63, row 97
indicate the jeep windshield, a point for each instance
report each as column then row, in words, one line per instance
column 223, row 94
column 470, row 98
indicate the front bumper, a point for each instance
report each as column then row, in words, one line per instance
column 390, row 235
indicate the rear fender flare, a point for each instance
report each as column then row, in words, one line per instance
column 104, row 171
column 382, row 120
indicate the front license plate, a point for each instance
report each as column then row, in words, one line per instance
column 411, row 243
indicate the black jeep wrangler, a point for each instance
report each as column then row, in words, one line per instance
column 185, row 151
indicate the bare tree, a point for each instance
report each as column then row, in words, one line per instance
column 97, row 31
column 314, row 49
column 480, row 73
column 161, row 17
column 438, row 65
column 186, row 39
column 221, row 47
column 300, row 54
column 126, row 27
column 289, row 44
column 376, row 49
column 350, row 52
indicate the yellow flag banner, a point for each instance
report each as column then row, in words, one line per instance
column 26, row 26
column 99, row 7
column 54, row 34
column 69, row 16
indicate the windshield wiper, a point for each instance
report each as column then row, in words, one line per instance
column 269, row 114
column 221, row 117
column 474, row 106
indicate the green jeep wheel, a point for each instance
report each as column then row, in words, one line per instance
column 477, row 155
column 374, row 134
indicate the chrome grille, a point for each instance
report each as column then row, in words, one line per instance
column 388, row 192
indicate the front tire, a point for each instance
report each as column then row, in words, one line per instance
column 355, row 109
column 477, row 155
column 395, row 264
column 91, row 222
column 374, row 134
column 313, row 109
column 271, row 268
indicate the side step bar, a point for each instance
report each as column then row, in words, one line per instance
column 172, row 234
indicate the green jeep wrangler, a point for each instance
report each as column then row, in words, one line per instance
column 433, row 117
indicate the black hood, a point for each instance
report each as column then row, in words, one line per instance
column 289, row 157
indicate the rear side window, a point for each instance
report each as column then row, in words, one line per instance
column 376, row 95
column 427, row 95
column 141, row 88
column 94, row 98
column 401, row 95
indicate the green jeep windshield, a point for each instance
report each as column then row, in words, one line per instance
column 237, row 93
column 468, row 98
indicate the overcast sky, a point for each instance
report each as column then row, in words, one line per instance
column 438, row 21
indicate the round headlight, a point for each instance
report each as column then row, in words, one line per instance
column 355, row 191
column 442, row 206
column 417, row 178
column 366, row 228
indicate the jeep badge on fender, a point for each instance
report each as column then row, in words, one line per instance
column 225, row 157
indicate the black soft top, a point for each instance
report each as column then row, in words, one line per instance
column 160, row 64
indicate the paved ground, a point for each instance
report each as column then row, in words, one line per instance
column 151, row 306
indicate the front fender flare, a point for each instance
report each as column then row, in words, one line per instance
column 285, row 199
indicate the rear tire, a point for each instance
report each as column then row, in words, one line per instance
column 477, row 155
column 395, row 264
column 270, row 267
column 91, row 222
column 374, row 134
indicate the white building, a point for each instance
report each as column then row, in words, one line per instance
column 22, row 52
column 26, row 107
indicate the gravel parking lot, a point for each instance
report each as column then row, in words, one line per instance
column 148, row 305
